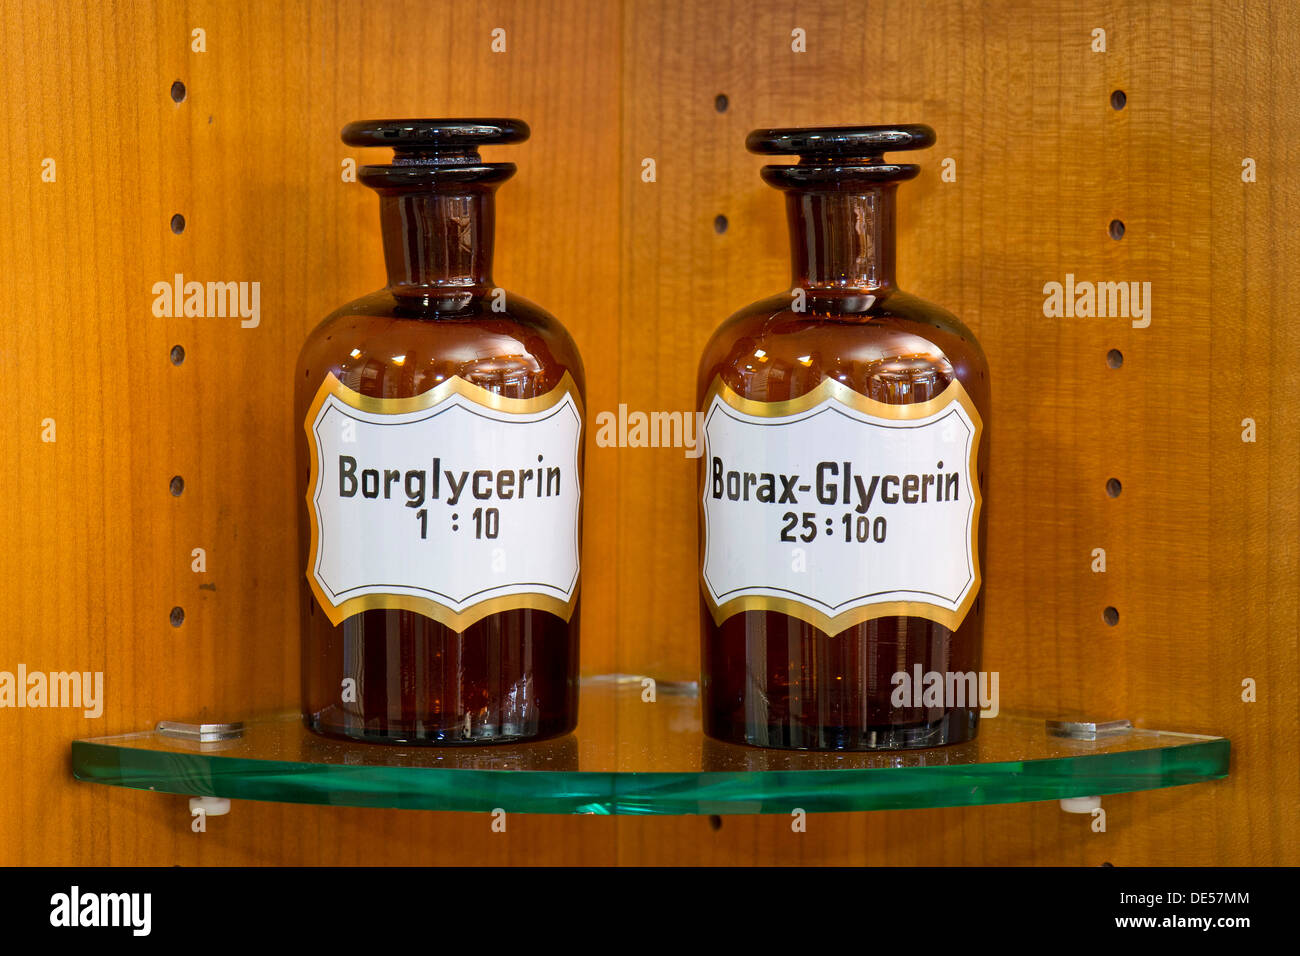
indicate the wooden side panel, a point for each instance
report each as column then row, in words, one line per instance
column 1200, row 544
column 97, row 551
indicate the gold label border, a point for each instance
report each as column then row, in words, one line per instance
column 831, row 389
column 457, row 621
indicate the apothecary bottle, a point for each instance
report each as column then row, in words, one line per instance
column 843, row 481
column 441, row 468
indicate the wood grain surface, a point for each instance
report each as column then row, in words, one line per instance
column 1202, row 544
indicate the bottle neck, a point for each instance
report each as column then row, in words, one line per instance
column 435, row 241
column 842, row 240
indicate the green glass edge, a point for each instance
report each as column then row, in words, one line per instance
column 888, row 788
column 603, row 792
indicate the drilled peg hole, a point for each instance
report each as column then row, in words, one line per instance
column 1115, row 358
column 720, row 224
column 178, row 224
column 1110, row 616
column 715, row 822
column 1116, row 229
column 1113, row 487
column 178, row 92
column 177, row 486
column 720, row 102
column 177, row 354
column 178, row 616
column 1118, row 100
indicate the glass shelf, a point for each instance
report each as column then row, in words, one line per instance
column 631, row 757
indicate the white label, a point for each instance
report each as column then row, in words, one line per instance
column 836, row 515
column 457, row 510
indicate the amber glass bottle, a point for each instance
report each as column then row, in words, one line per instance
column 441, row 466
column 841, row 489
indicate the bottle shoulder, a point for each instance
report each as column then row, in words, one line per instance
column 892, row 346
column 452, row 314
column 378, row 345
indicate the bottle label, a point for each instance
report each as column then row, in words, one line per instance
column 455, row 503
column 837, row 509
